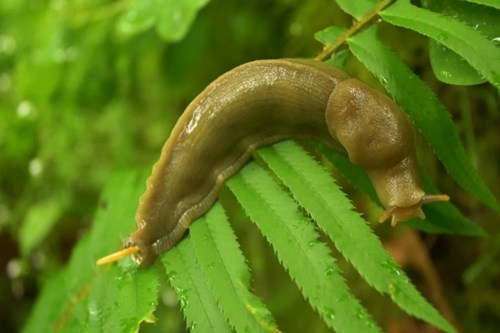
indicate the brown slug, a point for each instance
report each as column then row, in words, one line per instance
column 258, row 104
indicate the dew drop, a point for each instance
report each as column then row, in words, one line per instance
column 393, row 290
column 329, row 271
column 182, row 297
column 94, row 312
column 392, row 266
column 329, row 313
column 362, row 316
column 446, row 74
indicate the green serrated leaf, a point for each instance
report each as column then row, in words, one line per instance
column 329, row 34
column 423, row 107
column 297, row 245
column 352, row 172
column 471, row 45
column 171, row 17
column 227, row 274
column 139, row 17
column 448, row 66
column 118, row 300
column 114, row 220
column 137, row 298
column 444, row 217
column 88, row 298
column 490, row 3
column 100, row 304
column 316, row 191
column 197, row 301
column 175, row 17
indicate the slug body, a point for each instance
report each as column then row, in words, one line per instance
column 261, row 103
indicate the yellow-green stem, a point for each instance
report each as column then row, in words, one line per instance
column 330, row 48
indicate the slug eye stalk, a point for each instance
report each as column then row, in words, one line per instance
column 398, row 214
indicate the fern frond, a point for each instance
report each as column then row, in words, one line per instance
column 297, row 246
column 197, row 300
column 316, row 191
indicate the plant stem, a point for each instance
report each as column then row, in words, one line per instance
column 330, row 48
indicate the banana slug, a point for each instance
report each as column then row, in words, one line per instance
column 258, row 104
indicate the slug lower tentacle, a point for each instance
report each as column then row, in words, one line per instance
column 261, row 103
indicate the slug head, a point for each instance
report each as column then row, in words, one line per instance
column 145, row 256
column 399, row 190
column 378, row 137
column 134, row 247
column 398, row 214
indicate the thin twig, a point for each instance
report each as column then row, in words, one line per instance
column 330, row 48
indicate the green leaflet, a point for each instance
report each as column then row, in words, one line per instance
column 428, row 114
column 297, row 245
column 119, row 300
column 227, row 274
column 172, row 18
column 329, row 34
column 85, row 297
column 197, row 301
column 448, row 66
column 316, row 191
column 471, row 45
column 491, row 3
column 356, row 8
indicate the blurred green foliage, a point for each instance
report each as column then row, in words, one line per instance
column 81, row 96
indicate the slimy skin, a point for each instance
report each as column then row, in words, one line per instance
column 261, row 103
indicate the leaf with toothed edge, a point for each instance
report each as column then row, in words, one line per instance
column 315, row 190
